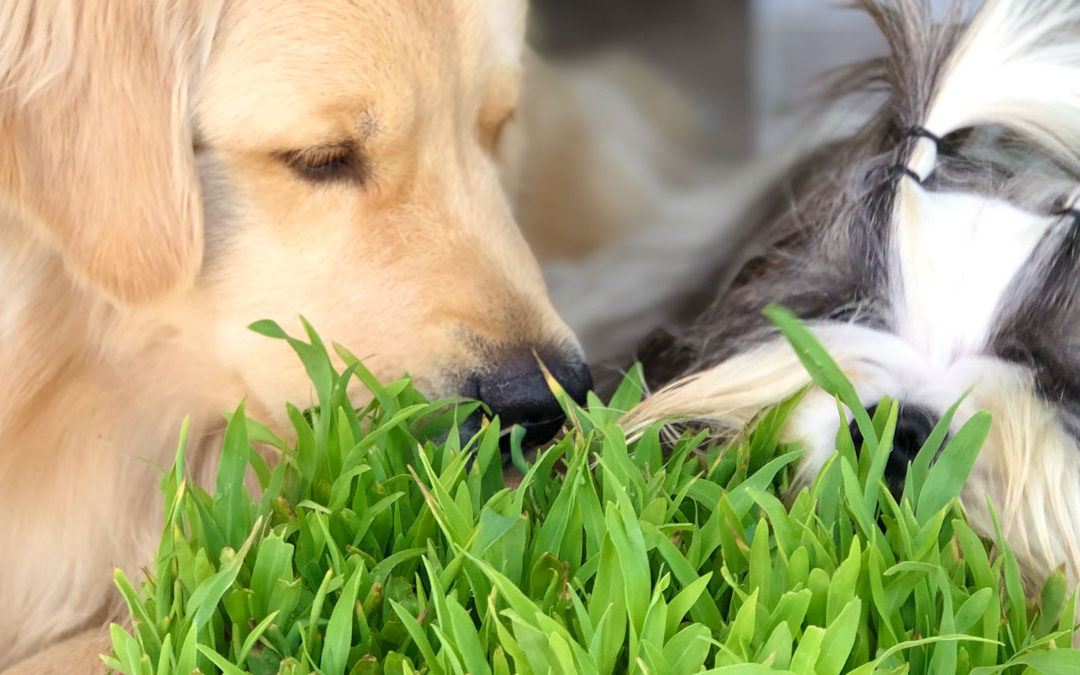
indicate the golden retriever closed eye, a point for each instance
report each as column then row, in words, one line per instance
column 171, row 170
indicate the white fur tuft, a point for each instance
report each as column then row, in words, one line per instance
column 733, row 392
column 958, row 253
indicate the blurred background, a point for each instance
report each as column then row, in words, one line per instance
column 745, row 65
column 650, row 128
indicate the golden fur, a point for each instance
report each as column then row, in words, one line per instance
column 148, row 213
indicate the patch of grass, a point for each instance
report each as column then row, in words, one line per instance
column 379, row 544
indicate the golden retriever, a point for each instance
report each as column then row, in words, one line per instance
column 171, row 170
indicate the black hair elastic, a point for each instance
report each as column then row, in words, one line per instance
column 899, row 171
column 1071, row 211
column 923, row 132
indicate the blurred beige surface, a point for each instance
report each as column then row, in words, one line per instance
column 650, row 128
column 746, row 66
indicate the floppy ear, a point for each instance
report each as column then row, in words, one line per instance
column 100, row 156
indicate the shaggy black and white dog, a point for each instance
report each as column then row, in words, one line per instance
column 935, row 252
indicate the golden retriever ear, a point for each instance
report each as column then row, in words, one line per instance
column 99, row 150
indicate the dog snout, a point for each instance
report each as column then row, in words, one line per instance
column 513, row 387
column 913, row 426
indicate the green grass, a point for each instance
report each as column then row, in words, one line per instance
column 375, row 546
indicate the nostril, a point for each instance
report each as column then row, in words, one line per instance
column 514, row 388
column 574, row 377
column 914, row 424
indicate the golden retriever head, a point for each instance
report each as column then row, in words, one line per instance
column 208, row 163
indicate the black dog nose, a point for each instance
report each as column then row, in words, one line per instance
column 913, row 426
column 514, row 388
